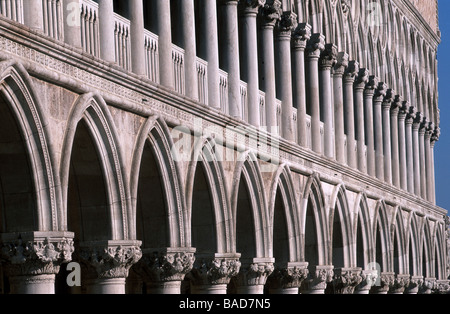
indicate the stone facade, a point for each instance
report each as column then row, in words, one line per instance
column 213, row 147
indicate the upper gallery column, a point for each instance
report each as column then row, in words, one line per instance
column 434, row 139
column 416, row 152
column 210, row 48
column 231, row 56
column 72, row 26
column 423, row 169
column 360, row 84
column 270, row 14
column 327, row 61
column 387, row 103
column 33, row 14
column 106, row 28
column 402, row 146
column 249, row 52
column 429, row 162
column 136, row 9
column 339, row 122
column 301, row 35
column 410, row 115
column 396, row 104
column 369, row 92
column 285, row 26
column 378, row 98
column 349, row 80
column 164, row 31
column 313, row 51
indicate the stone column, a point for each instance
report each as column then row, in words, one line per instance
column 212, row 275
column 301, row 35
column 327, row 61
column 285, row 26
column 108, row 263
column 402, row 142
column 387, row 102
column 163, row 270
column 346, row 280
column 428, row 162
column 137, row 40
column 231, row 56
column 32, row 259
column 249, row 52
column 380, row 93
column 423, row 170
column 387, row 280
column 253, row 276
column 270, row 14
column 410, row 149
column 401, row 282
column 396, row 104
column 317, row 282
column 369, row 279
column 313, row 50
column 33, row 15
column 189, row 43
column 164, row 31
column 72, row 26
column 349, row 80
column 210, row 44
column 369, row 93
column 416, row 153
column 360, row 84
column 289, row 279
column 434, row 139
column 339, row 70
column 106, row 30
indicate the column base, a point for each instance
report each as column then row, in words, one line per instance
column 168, row 287
column 209, row 289
column 106, row 286
column 253, row 289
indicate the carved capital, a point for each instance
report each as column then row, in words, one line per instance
column 401, row 281
column 372, row 84
column 110, row 259
column 362, row 79
column 388, row 99
column 346, row 279
column 428, row 286
column 442, row 287
column 270, row 13
column 36, row 253
column 216, row 271
column 286, row 23
column 341, row 64
column 319, row 279
column 369, row 279
column 251, row 6
column 315, row 45
column 351, row 72
column 291, row 276
column 164, row 265
column 386, row 281
column 414, row 284
column 380, row 92
column 328, row 57
column 255, row 273
column 301, row 35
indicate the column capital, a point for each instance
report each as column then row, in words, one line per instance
column 251, row 7
column 285, row 25
column 270, row 13
column 414, row 284
column 320, row 278
column 110, row 259
column 401, row 281
column 388, row 99
column 165, row 264
column 229, row 2
column 328, row 57
column 301, row 34
column 217, row 270
column 428, row 286
column 341, row 64
column 386, row 282
column 36, row 253
column 346, row 279
column 362, row 79
column 396, row 105
column 372, row 84
column 369, row 279
column 351, row 72
column 255, row 273
column 287, row 277
column 315, row 45
column 380, row 92
column 443, row 286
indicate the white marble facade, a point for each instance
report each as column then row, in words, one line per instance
column 212, row 147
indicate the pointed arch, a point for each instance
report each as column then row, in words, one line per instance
column 156, row 134
column 398, row 244
column 381, row 232
column 427, row 250
column 18, row 93
column 364, row 222
column 414, row 246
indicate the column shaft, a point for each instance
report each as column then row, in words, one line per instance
column 380, row 92
column 428, row 165
column 315, row 46
column 342, row 63
column 72, row 26
column 231, row 57
column 402, row 142
column 164, row 31
column 369, row 125
column 387, row 138
column 395, row 142
column 423, row 178
column 360, row 84
column 33, row 15
column 210, row 46
column 416, row 156
column 410, row 155
column 136, row 9
column 349, row 79
column 106, row 29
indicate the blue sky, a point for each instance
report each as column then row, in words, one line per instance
column 442, row 148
